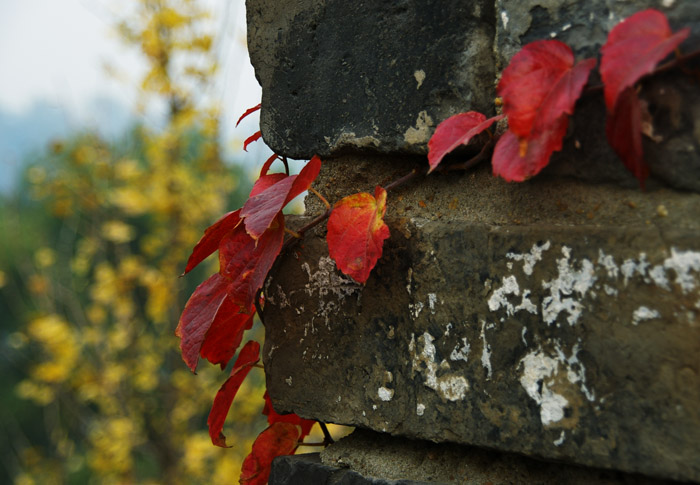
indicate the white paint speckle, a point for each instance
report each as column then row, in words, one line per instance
column 385, row 394
column 522, row 336
column 667, row 3
column 374, row 407
column 420, row 77
column 485, row 352
column 538, row 368
column 288, row 380
column 460, row 353
column 432, row 299
column 420, row 409
column 643, row 313
column 415, row 309
column 566, row 27
column 504, row 19
column 560, row 441
column 530, row 259
column 658, row 275
column 448, row 328
column 608, row 262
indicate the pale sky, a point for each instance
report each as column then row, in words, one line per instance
column 56, row 50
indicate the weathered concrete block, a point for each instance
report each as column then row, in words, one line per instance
column 553, row 318
column 343, row 77
column 380, row 455
column 379, row 76
column 673, row 100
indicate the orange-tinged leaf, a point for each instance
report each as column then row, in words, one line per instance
column 246, row 261
column 455, row 131
column 254, row 137
column 248, row 111
column 200, row 312
column 508, row 160
column 211, row 239
column 272, row 417
column 356, row 233
column 248, row 356
column 278, row 439
column 633, row 48
column 541, row 84
column 624, row 132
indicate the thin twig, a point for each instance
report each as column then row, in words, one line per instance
column 475, row 160
column 321, row 197
column 286, row 165
column 327, row 438
column 405, row 179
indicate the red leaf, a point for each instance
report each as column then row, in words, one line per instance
column 246, row 261
column 540, row 85
column 247, row 112
column 624, row 131
column 633, row 49
column 277, row 440
column 305, row 178
column 254, row 137
column 260, row 209
column 226, row 332
column 248, row 356
column 211, row 239
column 356, row 233
column 200, row 312
column 455, row 131
column 508, row 162
column 268, row 163
column 273, row 417
column 265, row 182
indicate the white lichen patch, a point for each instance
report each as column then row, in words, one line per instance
column 530, row 259
column 536, row 379
column 331, row 287
column 448, row 385
column 643, row 313
column 385, row 394
column 568, row 289
column 420, row 77
column 510, row 287
column 684, row 263
column 421, row 132
column 460, row 353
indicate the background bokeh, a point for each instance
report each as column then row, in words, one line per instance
column 107, row 183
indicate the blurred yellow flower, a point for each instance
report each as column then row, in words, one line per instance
column 118, row 231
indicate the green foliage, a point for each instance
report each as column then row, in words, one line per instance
column 91, row 250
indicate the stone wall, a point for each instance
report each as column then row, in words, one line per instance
column 558, row 318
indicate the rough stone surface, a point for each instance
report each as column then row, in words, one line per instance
column 377, row 454
column 552, row 318
column 378, row 77
column 339, row 75
column 308, row 470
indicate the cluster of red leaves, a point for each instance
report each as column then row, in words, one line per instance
column 221, row 309
column 540, row 87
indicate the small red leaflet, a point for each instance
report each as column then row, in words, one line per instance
column 455, row 131
column 248, row 356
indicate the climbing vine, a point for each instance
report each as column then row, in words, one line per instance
column 538, row 91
